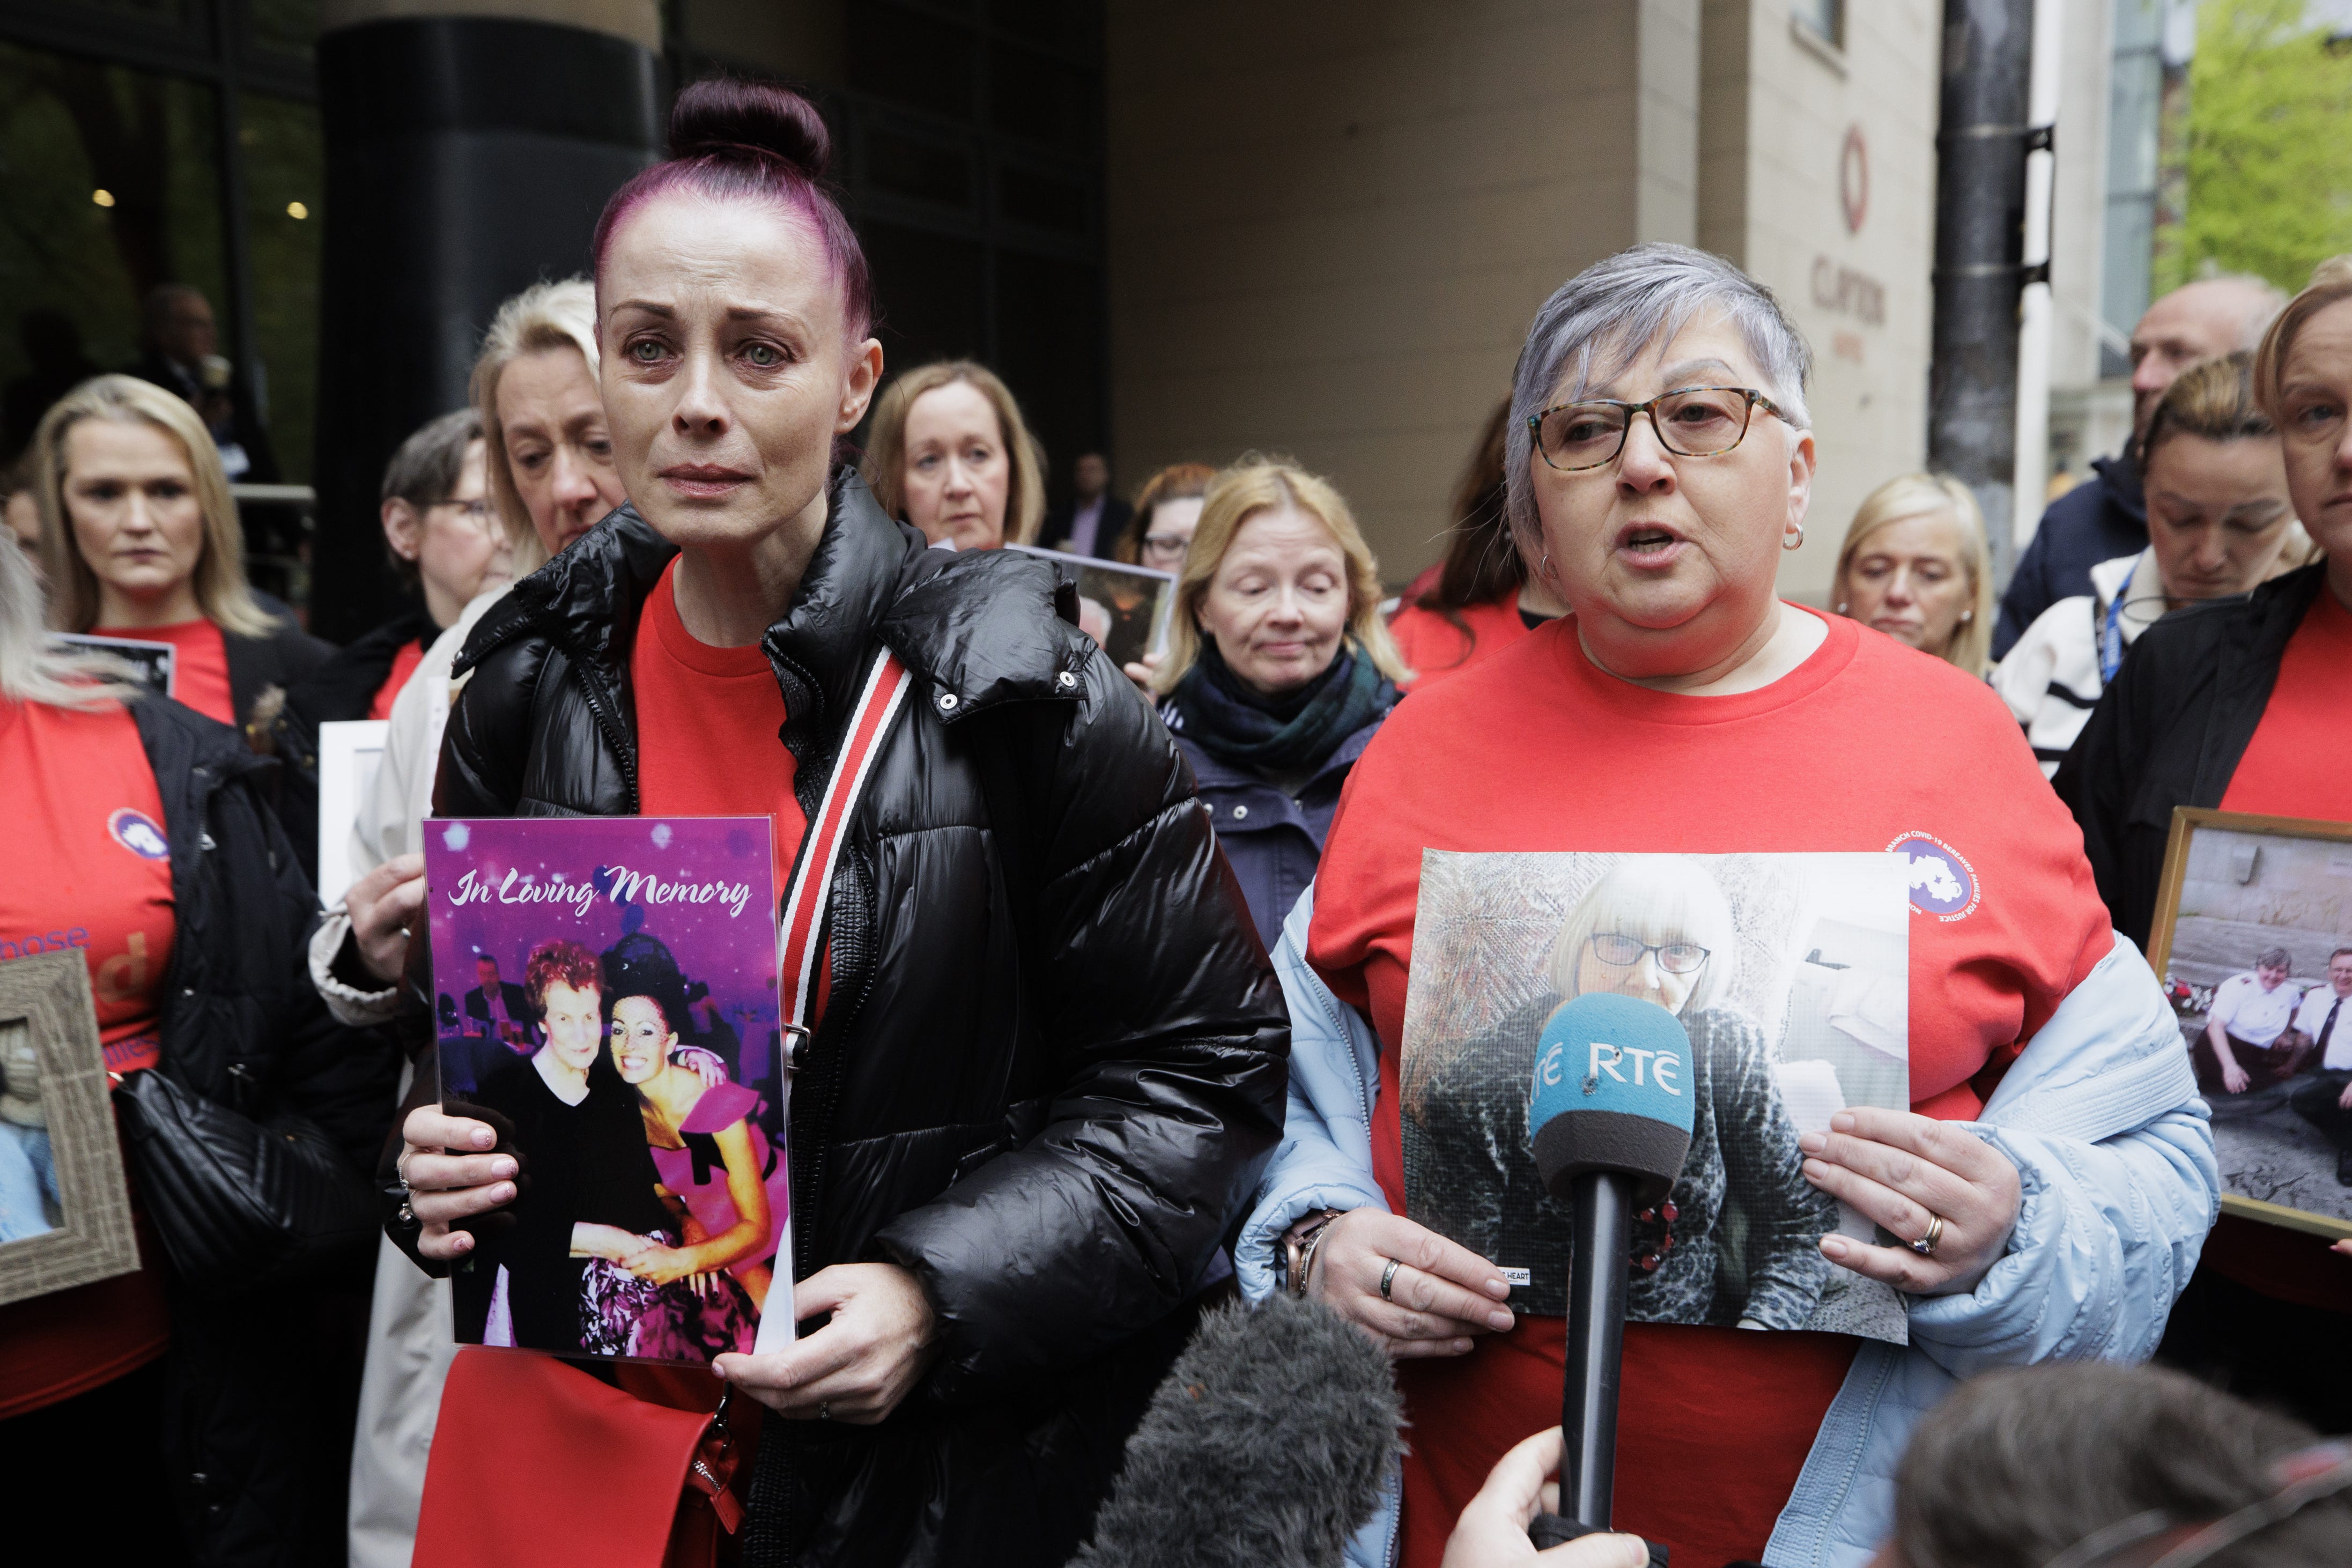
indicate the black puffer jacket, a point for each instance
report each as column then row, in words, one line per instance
column 255, row 1428
column 1054, row 1059
column 2170, row 729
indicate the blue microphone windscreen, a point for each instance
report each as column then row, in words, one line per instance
column 1613, row 1087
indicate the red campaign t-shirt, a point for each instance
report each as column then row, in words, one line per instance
column 88, row 870
column 1435, row 646
column 2299, row 763
column 706, row 724
column 403, row 665
column 1866, row 744
column 199, row 664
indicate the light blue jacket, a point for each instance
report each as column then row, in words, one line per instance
column 2100, row 1114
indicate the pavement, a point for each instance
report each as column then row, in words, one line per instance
column 2269, row 1153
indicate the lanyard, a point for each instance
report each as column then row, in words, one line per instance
column 2111, row 641
column 798, row 947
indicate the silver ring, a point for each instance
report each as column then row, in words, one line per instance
column 1387, row 1279
column 1926, row 1246
column 825, row 1410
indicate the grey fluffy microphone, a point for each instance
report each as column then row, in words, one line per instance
column 1268, row 1442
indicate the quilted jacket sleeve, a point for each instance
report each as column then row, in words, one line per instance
column 1169, row 1039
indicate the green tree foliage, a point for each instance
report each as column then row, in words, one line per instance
column 2267, row 159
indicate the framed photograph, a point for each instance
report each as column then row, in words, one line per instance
column 350, row 751
column 1790, row 976
column 150, row 662
column 65, row 1210
column 607, row 1001
column 2252, row 935
column 1125, row 608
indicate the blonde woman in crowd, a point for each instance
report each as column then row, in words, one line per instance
column 1914, row 566
column 549, row 458
column 1279, row 670
column 140, row 539
column 950, row 454
column 2217, row 516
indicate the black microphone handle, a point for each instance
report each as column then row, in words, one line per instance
column 1602, row 1232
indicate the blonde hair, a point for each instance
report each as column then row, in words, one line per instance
column 1659, row 899
column 543, row 317
column 223, row 595
column 1258, row 484
column 2330, row 280
column 886, row 447
column 32, row 668
column 1923, row 495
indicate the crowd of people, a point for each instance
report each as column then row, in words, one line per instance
column 1116, row 963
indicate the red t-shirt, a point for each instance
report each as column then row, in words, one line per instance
column 403, row 665
column 89, row 868
column 1865, row 745
column 199, row 664
column 1435, row 646
column 707, row 729
column 2299, row 763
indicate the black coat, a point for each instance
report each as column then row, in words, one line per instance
column 2169, row 730
column 281, row 658
column 1054, row 1060
column 1275, row 839
column 1055, row 534
column 2102, row 518
column 248, row 1408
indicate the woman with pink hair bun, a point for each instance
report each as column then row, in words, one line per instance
column 1046, row 1060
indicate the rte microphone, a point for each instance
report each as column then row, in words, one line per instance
column 1609, row 1117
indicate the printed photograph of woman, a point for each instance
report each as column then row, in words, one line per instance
column 720, row 1175
column 1750, row 953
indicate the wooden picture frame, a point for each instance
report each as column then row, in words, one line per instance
column 2235, row 1138
column 46, row 1003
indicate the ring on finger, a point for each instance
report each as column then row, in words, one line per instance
column 1926, row 1246
column 1388, row 1280
column 825, row 1410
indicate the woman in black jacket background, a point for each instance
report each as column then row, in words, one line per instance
column 2241, row 704
column 143, row 824
column 1052, row 1061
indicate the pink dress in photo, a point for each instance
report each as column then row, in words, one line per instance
column 698, row 1173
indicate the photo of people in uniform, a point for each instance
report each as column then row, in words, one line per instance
column 1789, row 975
column 653, row 1203
column 2255, row 942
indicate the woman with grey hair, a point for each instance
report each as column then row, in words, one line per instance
column 2050, row 1187
column 1656, row 929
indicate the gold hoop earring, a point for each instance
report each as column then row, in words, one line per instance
column 1788, row 543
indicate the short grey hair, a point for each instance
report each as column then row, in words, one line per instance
column 2274, row 958
column 1598, row 322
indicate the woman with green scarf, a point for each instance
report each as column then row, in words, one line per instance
column 1279, row 669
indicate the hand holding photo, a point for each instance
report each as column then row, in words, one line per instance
column 1694, row 1017
column 1124, row 608
column 2252, row 935
column 587, row 972
column 65, row 1207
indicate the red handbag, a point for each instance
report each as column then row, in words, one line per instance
column 534, row 1461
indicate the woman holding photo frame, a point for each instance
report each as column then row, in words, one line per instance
column 194, row 1410
column 1659, row 461
column 2239, row 705
column 1046, row 1062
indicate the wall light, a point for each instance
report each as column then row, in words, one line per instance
column 296, row 209
column 103, row 198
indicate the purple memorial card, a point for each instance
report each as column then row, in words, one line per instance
column 606, row 1000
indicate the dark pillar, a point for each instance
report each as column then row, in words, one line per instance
column 468, row 157
column 1980, row 257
